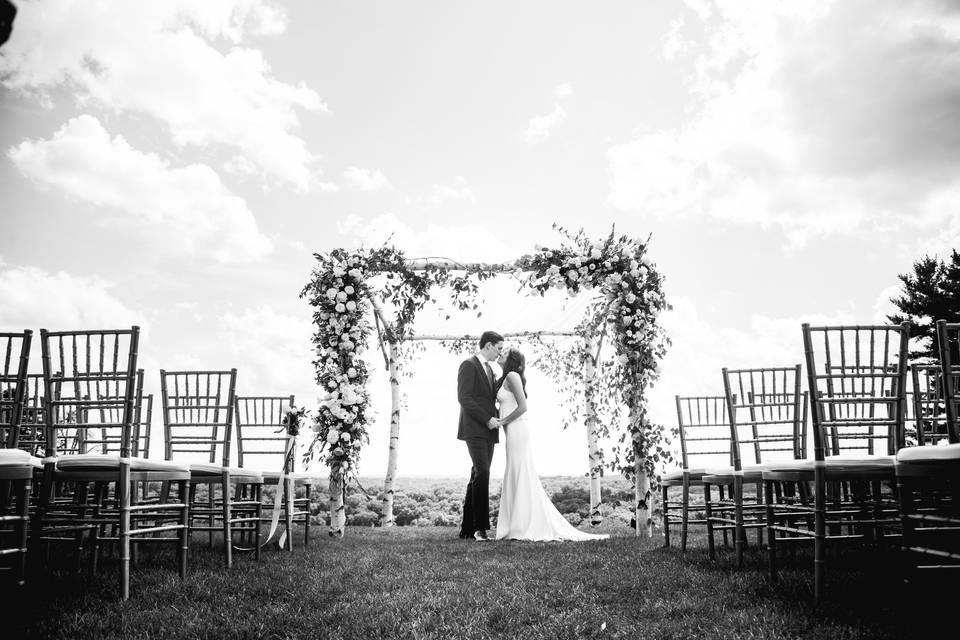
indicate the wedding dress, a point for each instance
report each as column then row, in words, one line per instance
column 526, row 512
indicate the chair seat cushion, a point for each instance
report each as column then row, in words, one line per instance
column 941, row 454
column 749, row 471
column 695, row 474
column 274, row 476
column 105, row 462
column 15, row 458
column 836, row 465
column 204, row 469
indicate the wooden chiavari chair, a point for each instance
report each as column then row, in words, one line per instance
column 198, row 418
column 16, row 466
column 857, row 380
column 769, row 426
column 704, row 438
column 929, row 422
column 90, row 380
column 260, row 433
column 929, row 477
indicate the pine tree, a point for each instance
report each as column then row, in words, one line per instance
column 930, row 293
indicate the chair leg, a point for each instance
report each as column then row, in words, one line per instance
column 709, row 514
column 227, row 531
column 722, row 491
column 771, row 532
column 739, row 531
column 309, row 515
column 183, row 492
column 685, row 517
column 820, row 539
column 23, row 511
column 123, row 504
column 210, row 518
column 665, row 501
column 289, row 497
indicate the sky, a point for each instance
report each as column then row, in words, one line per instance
column 175, row 165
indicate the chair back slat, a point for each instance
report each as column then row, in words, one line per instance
column 704, row 430
column 948, row 340
column 197, row 412
column 927, row 422
column 772, row 411
column 259, row 419
column 857, row 380
column 90, row 390
column 13, row 385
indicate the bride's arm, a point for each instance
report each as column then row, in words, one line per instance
column 515, row 385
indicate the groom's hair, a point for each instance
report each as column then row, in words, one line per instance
column 488, row 337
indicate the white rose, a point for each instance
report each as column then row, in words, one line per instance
column 348, row 419
column 337, row 452
column 332, row 384
column 339, row 272
column 351, row 305
column 347, row 345
column 351, row 373
column 635, row 273
column 333, row 436
column 345, row 436
column 356, row 274
column 595, row 254
column 627, row 318
column 340, row 307
column 349, row 289
column 645, row 260
column 331, row 293
column 341, row 296
column 631, row 298
column 349, row 396
column 573, row 275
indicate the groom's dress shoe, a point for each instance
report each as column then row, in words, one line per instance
column 465, row 535
column 481, row 536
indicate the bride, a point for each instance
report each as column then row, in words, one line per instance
column 526, row 512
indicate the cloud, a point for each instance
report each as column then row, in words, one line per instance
column 187, row 208
column 366, row 180
column 463, row 243
column 60, row 301
column 271, row 351
column 540, row 127
column 817, row 118
column 159, row 59
column 458, row 191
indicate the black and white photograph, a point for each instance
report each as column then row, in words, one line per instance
column 435, row 319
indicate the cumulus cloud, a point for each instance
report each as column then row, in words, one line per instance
column 159, row 59
column 540, row 127
column 816, row 118
column 187, row 208
column 272, row 352
column 464, row 243
column 442, row 193
column 366, row 179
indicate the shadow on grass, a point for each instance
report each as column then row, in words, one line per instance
column 413, row 582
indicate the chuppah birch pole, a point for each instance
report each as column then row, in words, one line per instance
column 390, row 357
column 593, row 448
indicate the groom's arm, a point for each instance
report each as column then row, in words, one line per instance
column 466, row 382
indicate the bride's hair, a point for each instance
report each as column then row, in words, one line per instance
column 515, row 362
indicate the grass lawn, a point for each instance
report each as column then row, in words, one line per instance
column 420, row 582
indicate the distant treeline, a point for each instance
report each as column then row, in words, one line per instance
column 439, row 501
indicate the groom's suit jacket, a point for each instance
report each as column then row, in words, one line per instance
column 478, row 402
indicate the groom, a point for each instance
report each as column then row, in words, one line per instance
column 479, row 425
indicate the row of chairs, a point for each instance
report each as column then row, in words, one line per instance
column 75, row 464
column 867, row 477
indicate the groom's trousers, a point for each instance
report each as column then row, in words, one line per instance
column 476, row 504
